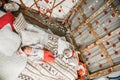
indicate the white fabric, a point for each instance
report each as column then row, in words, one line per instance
column 12, row 6
column 43, row 38
column 11, row 66
column 9, row 41
column 62, row 45
column 52, row 71
column 37, row 46
column 43, row 34
column 33, row 35
column 20, row 23
column 29, row 37
column 36, row 55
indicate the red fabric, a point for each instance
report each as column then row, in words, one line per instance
column 7, row 18
column 82, row 71
column 81, row 79
column 48, row 56
column 73, row 53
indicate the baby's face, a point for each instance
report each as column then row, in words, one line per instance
column 27, row 50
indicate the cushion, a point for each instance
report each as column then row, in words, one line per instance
column 43, row 34
column 7, row 18
column 9, row 40
column 11, row 66
column 20, row 23
column 29, row 37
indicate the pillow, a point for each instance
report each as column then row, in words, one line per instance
column 9, row 41
column 11, row 66
column 29, row 37
column 20, row 23
column 7, row 18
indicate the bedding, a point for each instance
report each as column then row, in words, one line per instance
column 58, row 70
column 11, row 64
column 9, row 41
column 33, row 34
column 29, row 38
column 20, row 23
column 14, row 65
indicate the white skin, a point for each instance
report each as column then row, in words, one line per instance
column 27, row 50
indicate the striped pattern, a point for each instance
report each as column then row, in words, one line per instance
column 24, row 77
column 58, row 70
column 52, row 44
column 20, row 23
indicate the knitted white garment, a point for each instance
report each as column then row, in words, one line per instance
column 36, row 55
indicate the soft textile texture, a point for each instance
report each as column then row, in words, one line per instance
column 29, row 37
column 9, row 41
column 58, row 70
column 32, row 37
column 62, row 45
column 20, row 23
column 11, row 66
column 43, row 34
column 52, row 42
column 7, row 18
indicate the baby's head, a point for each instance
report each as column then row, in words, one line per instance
column 27, row 50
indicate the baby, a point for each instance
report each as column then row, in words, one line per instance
column 37, row 54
